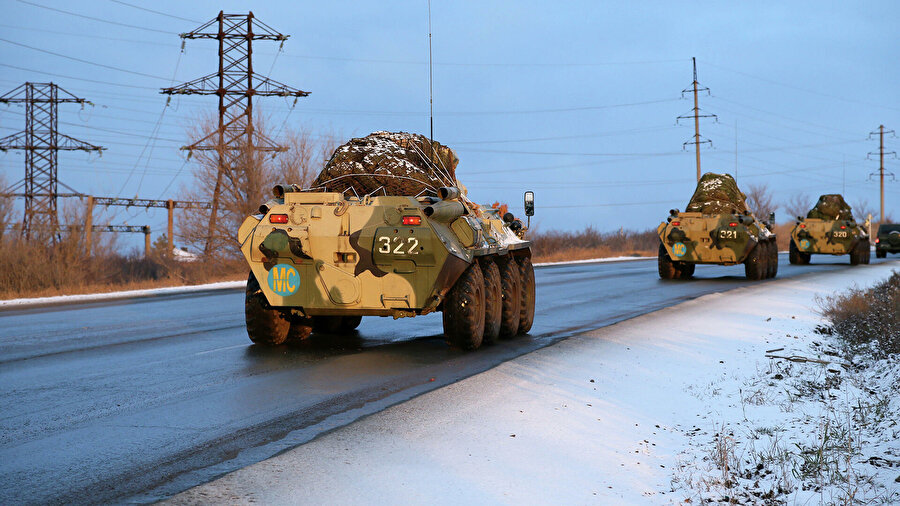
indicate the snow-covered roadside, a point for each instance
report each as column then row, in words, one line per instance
column 225, row 285
column 126, row 294
column 625, row 414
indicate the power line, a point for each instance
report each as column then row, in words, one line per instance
column 70, row 13
column 118, row 69
column 155, row 12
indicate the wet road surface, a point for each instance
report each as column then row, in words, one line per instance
column 136, row 400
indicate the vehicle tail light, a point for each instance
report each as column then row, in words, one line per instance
column 802, row 225
column 877, row 241
column 676, row 223
column 843, row 227
column 278, row 218
column 412, row 220
column 732, row 224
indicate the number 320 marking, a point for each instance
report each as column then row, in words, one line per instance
column 397, row 245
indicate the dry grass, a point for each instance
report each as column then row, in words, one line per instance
column 36, row 269
column 867, row 320
column 557, row 246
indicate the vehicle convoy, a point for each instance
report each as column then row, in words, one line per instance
column 716, row 228
column 829, row 229
column 887, row 239
column 386, row 230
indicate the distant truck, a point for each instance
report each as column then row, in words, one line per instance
column 829, row 229
column 717, row 228
column 887, row 239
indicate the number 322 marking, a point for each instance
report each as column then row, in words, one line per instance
column 396, row 245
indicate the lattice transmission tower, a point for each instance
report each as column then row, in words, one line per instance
column 235, row 140
column 41, row 142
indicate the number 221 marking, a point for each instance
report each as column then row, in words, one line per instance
column 399, row 244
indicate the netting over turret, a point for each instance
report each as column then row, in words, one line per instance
column 717, row 194
column 395, row 163
column 831, row 207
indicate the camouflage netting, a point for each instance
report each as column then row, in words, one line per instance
column 717, row 194
column 831, row 207
column 398, row 162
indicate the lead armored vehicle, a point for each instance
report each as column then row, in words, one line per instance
column 887, row 239
column 829, row 229
column 386, row 230
column 716, row 228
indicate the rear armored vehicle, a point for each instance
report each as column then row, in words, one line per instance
column 716, row 228
column 386, row 230
column 887, row 240
column 829, row 229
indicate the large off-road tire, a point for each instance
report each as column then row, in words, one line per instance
column 526, row 278
column 666, row 265
column 326, row 324
column 266, row 325
column 685, row 270
column 493, row 299
column 880, row 253
column 856, row 254
column 755, row 263
column 773, row 258
column 797, row 257
column 511, row 291
column 464, row 310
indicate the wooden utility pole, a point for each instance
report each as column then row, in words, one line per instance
column 89, row 226
column 146, row 230
column 170, row 206
column 881, row 153
column 695, row 113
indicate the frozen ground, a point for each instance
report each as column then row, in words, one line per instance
column 686, row 405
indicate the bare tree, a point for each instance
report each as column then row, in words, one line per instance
column 798, row 205
column 247, row 180
column 6, row 207
column 759, row 200
column 862, row 209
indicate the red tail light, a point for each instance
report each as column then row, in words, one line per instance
column 843, row 227
column 732, row 224
column 802, row 225
column 412, row 220
column 278, row 218
column 877, row 241
column 676, row 223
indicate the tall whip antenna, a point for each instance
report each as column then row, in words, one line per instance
column 430, row 87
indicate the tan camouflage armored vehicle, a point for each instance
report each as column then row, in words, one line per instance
column 716, row 228
column 386, row 230
column 829, row 229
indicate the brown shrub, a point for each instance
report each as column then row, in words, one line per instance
column 867, row 320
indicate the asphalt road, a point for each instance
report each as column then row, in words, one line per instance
column 138, row 399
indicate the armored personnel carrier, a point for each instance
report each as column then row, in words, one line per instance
column 716, row 228
column 386, row 230
column 829, row 229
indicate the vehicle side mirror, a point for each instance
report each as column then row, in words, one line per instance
column 529, row 203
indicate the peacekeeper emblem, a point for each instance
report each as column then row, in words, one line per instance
column 804, row 243
column 679, row 249
column 284, row 279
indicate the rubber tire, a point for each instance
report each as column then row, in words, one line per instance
column 880, row 253
column 266, row 325
column 686, row 270
column 773, row 259
column 349, row 323
column 796, row 257
column 754, row 264
column 665, row 264
column 511, row 292
column 526, row 277
column 493, row 299
column 856, row 254
column 464, row 310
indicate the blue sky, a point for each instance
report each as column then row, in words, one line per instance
column 574, row 100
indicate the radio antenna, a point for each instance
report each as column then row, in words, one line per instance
column 430, row 89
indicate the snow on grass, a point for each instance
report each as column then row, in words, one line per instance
column 126, row 294
column 678, row 406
